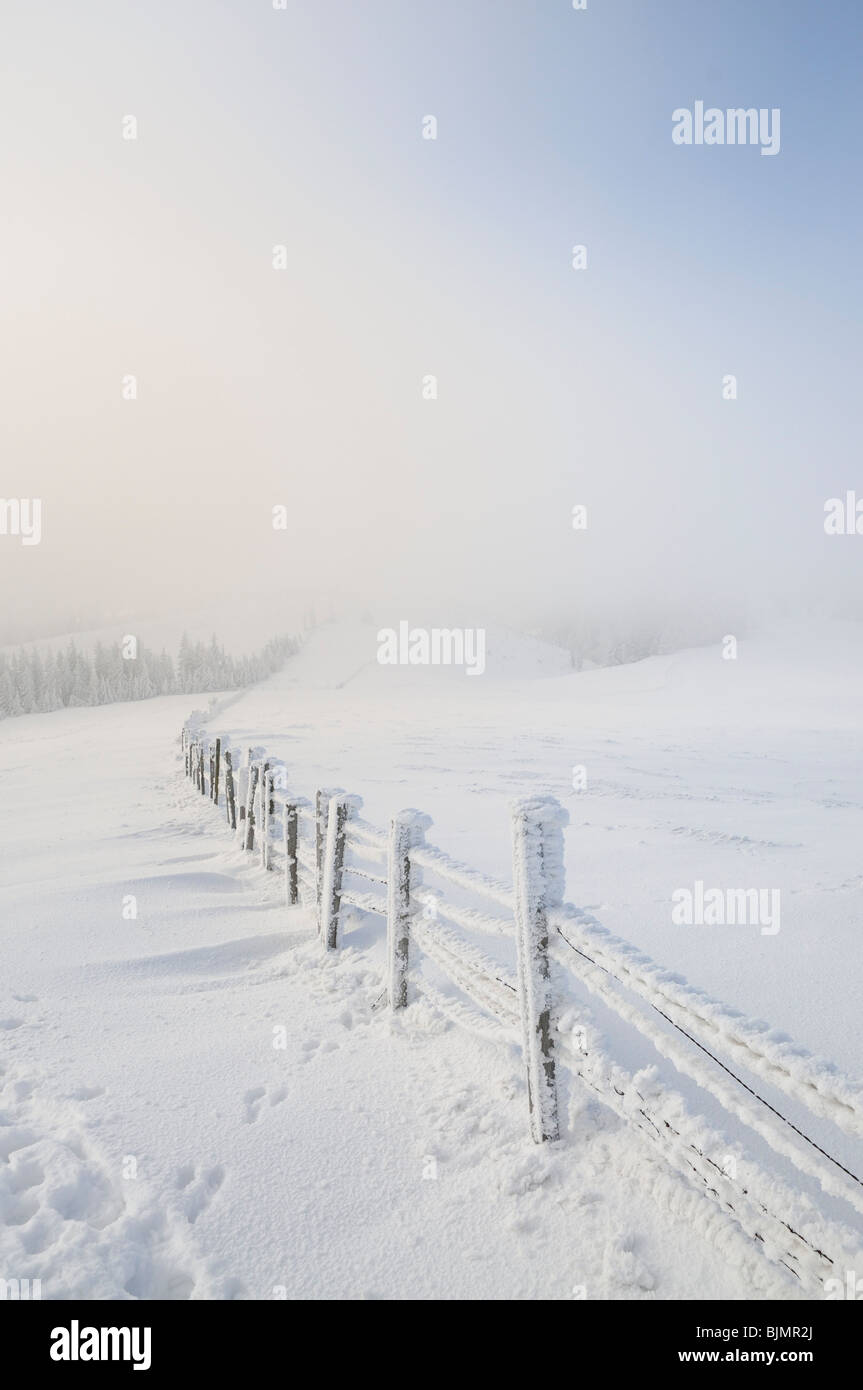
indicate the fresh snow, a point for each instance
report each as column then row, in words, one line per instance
column 156, row 1140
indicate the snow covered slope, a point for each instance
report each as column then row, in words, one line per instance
column 743, row 772
column 341, row 654
column 195, row 1103
column 286, row 1134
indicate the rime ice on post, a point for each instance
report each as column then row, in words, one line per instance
column 251, row 790
column 230, row 802
column 264, row 808
column 241, row 791
column 323, row 796
column 275, row 778
column 292, row 882
column 201, row 747
column 217, row 757
column 538, row 881
column 407, row 830
column 339, row 811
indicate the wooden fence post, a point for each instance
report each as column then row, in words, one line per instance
column 201, row 779
column 292, row 881
column 266, row 808
column 242, row 786
column 537, row 834
column 338, row 811
column 217, row 757
column 407, row 830
column 249, row 837
column 323, row 796
column 320, row 841
column 230, row 802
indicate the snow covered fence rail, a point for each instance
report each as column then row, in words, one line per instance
column 332, row 858
column 810, row 1080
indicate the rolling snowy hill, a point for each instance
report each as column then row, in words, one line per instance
column 197, row 1103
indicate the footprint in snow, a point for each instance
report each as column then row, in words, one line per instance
column 87, row 1093
column 315, row 1045
column 198, row 1189
column 254, row 1099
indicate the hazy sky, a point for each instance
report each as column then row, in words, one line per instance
column 406, row 257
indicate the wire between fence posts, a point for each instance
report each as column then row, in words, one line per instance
column 530, row 1001
column 338, row 813
column 407, row 832
column 537, row 857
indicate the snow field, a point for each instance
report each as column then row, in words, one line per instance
column 363, row 1156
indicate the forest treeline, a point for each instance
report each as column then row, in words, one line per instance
column 34, row 681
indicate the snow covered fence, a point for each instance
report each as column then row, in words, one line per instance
column 332, row 859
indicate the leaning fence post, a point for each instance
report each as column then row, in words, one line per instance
column 537, row 836
column 292, row 882
column 406, row 832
